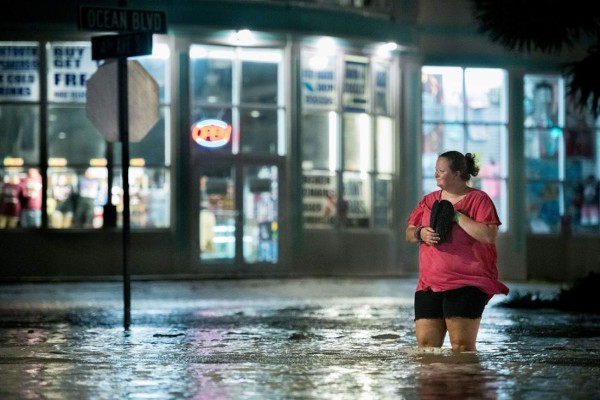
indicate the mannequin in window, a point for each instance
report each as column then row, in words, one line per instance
column 63, row 192
column 10, row 201
column 89, row 188
column 31, row 215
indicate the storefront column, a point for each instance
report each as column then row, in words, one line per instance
column 409, row 157
column 512, row 260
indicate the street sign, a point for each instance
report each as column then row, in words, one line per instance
column 101, row 19
column 122, row 98
column 102, row 101
column 123, row 45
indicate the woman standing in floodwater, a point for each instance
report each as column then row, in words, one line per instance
column 458, row 273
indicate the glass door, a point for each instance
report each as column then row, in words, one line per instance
column 260, row 218
column 217, row 215
column 238, row 214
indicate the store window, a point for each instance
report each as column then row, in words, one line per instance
column 77, row 171
column 78, row 175
column 465, row 109
column 149, row 159
column 20, row 179
column 561, row 155
column 347, row 141
column 239, row 90
column 80, row 183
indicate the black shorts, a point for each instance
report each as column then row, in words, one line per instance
column 465, row 302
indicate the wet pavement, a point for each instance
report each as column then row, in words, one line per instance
column 279, row 339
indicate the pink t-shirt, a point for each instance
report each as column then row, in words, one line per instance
column 461, row 260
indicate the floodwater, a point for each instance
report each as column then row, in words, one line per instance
column 279, row 339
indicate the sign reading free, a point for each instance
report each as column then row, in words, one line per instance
column 121, row 20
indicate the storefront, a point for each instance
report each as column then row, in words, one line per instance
column 268, row 148
column 283, row 152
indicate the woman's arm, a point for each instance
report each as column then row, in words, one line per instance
column 410, row 234
column 478, row 231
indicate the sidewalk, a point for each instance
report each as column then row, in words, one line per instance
column 276, row 339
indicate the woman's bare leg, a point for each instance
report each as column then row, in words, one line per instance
column 463, row 333
column 430, row 332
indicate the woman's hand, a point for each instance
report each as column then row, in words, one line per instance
column 429, row 236
column 424, row 234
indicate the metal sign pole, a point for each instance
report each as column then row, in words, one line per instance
column 135, row 40
column 124, row 138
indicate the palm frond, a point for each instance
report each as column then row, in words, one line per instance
column 549, row 26
column 584, row 81
column 546, row 25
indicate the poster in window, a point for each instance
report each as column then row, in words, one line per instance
column 319, row 200
column 355, row 98
column 318, row 83
column 381, row 88
column 542, row 102
column 19, row 72
column 356, row 212
column 70, row 65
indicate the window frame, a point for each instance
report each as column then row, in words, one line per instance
column 347, row 196
column 462, row 123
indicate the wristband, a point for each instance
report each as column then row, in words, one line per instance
column 457, row 216
column 418, row 233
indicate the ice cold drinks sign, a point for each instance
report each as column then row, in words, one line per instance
column 19, row 76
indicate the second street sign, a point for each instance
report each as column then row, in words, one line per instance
column 123, row 45
column 121, row 20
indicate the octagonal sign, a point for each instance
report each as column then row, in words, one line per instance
column 102, row 98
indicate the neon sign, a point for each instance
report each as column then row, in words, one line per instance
column 211, row 133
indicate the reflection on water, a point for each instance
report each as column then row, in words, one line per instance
column 276, row 346
column 446, row 375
